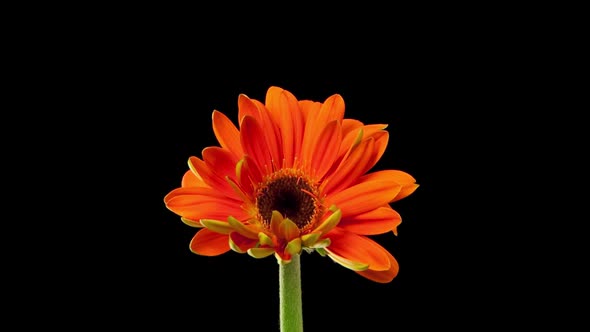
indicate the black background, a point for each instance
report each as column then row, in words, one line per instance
column 107, row 104
column 136, row 106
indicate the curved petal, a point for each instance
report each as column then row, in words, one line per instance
column 258, row 111
column 332, row 109
column 247, row 107
column 364, row 197
column 349, row 125
column 381, row 141
column 222, row 163
column 209, row 174
column 197, row 203
column 309, row 107
column 190, row 179
column 285, row 111
column 407, row 181
column 227, row 134
column 240, row 243
column 382, row 276
column 208, row 243
column 351, row 135
column 220, row 160
column 352, row 168
column 358, row 248
column 248, row 174
column 378, row 221
column 326, row 149
column 254, row 144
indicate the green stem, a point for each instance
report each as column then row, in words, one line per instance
column 291, row 314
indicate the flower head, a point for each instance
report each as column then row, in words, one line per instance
column 293, row 176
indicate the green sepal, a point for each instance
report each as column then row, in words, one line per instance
column 355, row 266
column 217, row 226
column 241, row 228
column 264, row 239
column 322, row 244
column 330, row 222
column 288, row 230
column 275, row 221
column 294, row 246
column 260, row 252
column 310, row 239
column 191, row 223
column 308, row 250
column 321, row 251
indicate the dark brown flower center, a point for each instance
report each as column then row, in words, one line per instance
column 292, row 196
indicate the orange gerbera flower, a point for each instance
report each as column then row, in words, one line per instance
column 292, row 177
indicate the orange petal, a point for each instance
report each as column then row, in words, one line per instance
column 254, row 144
column 326, row 149
column 350, row 137
column 190, row 179
column 209, row 174
column 203, row 203
column 400, row 177
column 207, row 210
column 209, row 243
column 246, row 107
column 349, row 125
column 220, row 160
column 285, row 110
column 382, row 276
column 381, row 140
column 222, row 163
column 378, row 221
column 316, row 120
column 364, row 197
column 240, row 243
column 332, row 109
column 309, row 107
column 248, row 174
column 358, row 248
column 227, row 134
column 259, row 112
column 352, row 168
column 407, row 182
